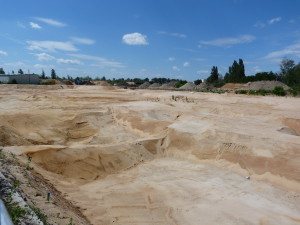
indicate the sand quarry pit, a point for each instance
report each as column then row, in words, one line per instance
column 160, row 157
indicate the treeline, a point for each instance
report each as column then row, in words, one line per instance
column 289, row 74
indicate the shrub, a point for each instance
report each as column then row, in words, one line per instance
column 241, row 92
column 13, row 81
column 279, row 91
column 252, row 92
column 293, row 92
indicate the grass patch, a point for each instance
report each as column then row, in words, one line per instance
column 16, row 212
column 43, row 217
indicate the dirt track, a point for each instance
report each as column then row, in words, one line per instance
column 140, row 157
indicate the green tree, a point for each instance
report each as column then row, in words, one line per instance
column 214, row 75
column 43, row 76
column 103, row 78
column 286, row 66
column 12, row 72
column 53, row 74
column 197, row 82
column 236, row 72
column 2, row 71
column 292, row 78
column 180, row 83
column 20, row 71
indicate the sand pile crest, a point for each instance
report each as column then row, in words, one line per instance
column 188, row 86
column 265, row 85
column 144, row 85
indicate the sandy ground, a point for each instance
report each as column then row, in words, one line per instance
column 158, row 157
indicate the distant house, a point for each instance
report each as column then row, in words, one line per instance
column 20, row 79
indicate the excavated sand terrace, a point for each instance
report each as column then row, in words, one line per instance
column 140, row 157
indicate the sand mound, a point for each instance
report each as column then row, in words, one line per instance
column 102, row 83
column 144, row 85
column 154, row 86
column 265, row 85
column 205, row 86
column 169, row 85
column 232, row 86
column 188, row 86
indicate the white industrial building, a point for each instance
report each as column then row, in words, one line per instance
column 20, row 79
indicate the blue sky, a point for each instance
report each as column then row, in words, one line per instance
column 147, row 38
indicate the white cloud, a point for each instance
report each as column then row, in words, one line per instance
column 40, row 66
column 3, row 53
column 229, row 41
column 173, row 34
column 100, row 62
column 293, row 50
column 35, row 25
column 186, row 64
column 260, row 25
column 51, row 22
column 69, row 61
column 85, row 41
column 202, row 72
column 175, row 68
column 171, row 59
column 135, row 39
column 19, row 64
column 44, row 57
column 274, row 20
column 51, row 46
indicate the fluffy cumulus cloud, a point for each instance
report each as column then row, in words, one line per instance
column 3, row 53
column 175, row 68
column 44, row 57
column 51, row 22
column 85, row 41
column 69, row 61
column 290, row 50
column 51, row 46
column 186, row 64
column 171, row 59
column 229, row 41
column 135, row 39
column 35, row 25
column 274, row 20
column 99, row 61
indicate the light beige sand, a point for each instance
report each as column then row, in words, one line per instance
column 140, row 157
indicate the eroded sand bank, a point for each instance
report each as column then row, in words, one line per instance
column 158, row 157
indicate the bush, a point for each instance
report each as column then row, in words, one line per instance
column 279, row 91
column 241, row 92
column 13, row 81
column 293, row 92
